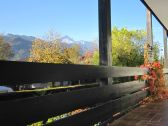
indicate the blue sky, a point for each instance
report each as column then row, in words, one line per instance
column 75, row 18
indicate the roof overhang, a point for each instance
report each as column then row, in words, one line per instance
column 159, row 9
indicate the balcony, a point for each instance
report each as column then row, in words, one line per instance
column 98, row 103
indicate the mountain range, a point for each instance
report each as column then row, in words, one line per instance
column 21, row 45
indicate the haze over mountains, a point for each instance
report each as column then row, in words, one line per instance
column 21, row 45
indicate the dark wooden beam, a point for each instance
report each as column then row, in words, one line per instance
column 165, row 48
column 103, row 111
column 12, row 73
column 105, row 48
column 149, row 27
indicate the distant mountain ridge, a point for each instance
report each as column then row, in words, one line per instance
column 84, row 45
column 21, row 45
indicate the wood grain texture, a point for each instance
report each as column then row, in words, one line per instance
column 165, row 71
column 105, row 41
column 102, row 112
column 149, row 27
column 43, row 107
column 105, row 48
column 27, row 73
column 165, row 48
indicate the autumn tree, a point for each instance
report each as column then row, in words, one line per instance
column 72, row 53
column 52, row 50
column 87, row 58
column 5, row 50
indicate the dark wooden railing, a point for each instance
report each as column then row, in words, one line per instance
column 103, row 101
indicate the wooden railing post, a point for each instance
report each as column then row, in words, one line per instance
column 149, row 27
column 165, row 34
column 105, row 48
column 149, row 43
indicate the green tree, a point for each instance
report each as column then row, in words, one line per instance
column 5, row 50
column 156, row 52
column 96, row 57
column 127, row 47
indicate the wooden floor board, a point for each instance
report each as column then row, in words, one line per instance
column 154, row 114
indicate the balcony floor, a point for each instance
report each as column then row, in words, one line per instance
column 154, row 114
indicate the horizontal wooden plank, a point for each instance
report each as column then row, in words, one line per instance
column 102, row 112
column 121, row 89
column 130, row 87
column 127, row 71
column 26, row 73
column 40, row 92
column 34, row 109
column 165, row 71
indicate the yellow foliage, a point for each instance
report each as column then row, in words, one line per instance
column 53, row 52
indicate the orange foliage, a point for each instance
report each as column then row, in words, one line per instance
column 87, row 58
column 155, row 79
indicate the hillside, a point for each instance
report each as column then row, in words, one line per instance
column 21, row 45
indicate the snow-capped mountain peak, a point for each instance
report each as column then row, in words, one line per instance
column 67, row 39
